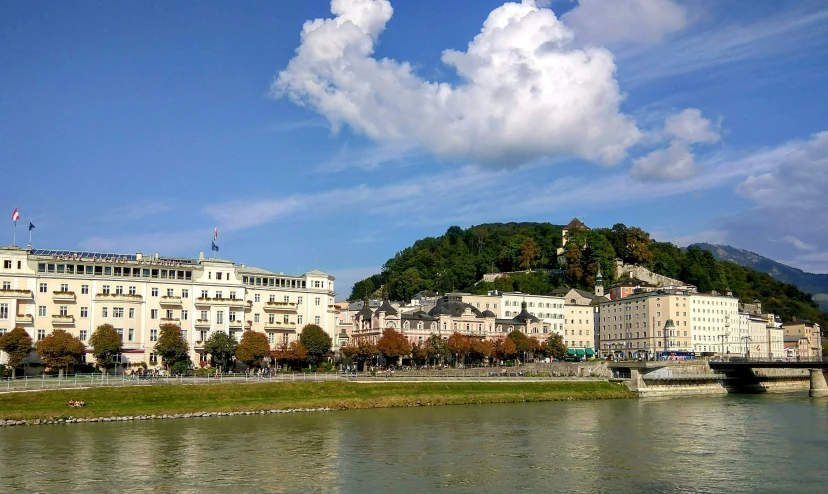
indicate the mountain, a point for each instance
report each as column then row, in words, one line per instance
column 813, row 283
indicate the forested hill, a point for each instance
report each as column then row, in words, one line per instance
column 457, row 260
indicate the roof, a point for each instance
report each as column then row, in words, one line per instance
column 417, row 315
column 387, row 308
column 488, row 313
column 453, row 305
column 316, row 272
column 575, row 224
column 631, row 282
column 365, row 312
column 255, row 270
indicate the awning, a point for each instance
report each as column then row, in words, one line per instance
column 590, row 351
column 579, row 352
column 570, row 351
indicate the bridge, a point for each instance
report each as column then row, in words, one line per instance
column 646, row 377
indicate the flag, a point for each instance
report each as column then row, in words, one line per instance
column 15, row 215
column 215, row 235
column 215, row 247
column 31, row 226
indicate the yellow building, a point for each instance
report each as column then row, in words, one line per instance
column 42, row 290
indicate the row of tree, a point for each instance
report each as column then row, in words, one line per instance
column 59, row 350
column 457, row 347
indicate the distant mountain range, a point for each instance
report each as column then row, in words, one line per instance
column 815, row 284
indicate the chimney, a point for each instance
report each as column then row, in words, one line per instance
column 793, row 318
column 201, row 256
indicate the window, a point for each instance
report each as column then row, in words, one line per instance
column 155, row 292
column 4, row 311
column 64, row 310
column 316, row 320
column 83, row 334
column 185, row 293
column 120, row 332
column 131, row 335
column 271, row 318
column 7, row 285
column 286, row 319
column 271, row 337
column 132, row 290
column 41, row 333
column 84, row 289
column 218, row 294
column 258, row 298
column 44, row 288
column 153, row 358
column 204, row 294
column 220, row 317
column 7, row 264
column 287, row 299
column 255, row 317
column 153, row 337
column 299, row 320
column 169, row 314
column 299, row 301
column 132, row 313
column 184, row 315
column 203, row 336
column 64, row 287
column 119, row 290
column 118, row 312
column 153, row 313
column 285, row 338
column 84, row 312
column 170, row 292
column 184, row 334
column 218, row 275
column 104, row 312
column 232, row 316
column 317, row 301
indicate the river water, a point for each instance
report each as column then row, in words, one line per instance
column 769, row 443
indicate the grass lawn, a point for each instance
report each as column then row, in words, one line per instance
column 172, row 399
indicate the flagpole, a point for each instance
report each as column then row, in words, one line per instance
column 30, row 235
column 14, row 238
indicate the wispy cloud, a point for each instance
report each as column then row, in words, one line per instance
column 295, row 125
column 370, row 158
column 766, row 39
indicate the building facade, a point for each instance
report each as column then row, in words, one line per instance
column 714, row 324
column 810, row 331
column 43, row 290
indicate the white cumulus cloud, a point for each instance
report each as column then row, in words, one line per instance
column 672, row 163
column 640, row 21
column 524, row 91
column 689, row 126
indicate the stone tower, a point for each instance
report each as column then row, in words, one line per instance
column 599, row 284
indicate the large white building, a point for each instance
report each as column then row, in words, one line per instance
column 42, row 290
column 714, row 324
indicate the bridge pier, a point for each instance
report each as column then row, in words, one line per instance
column 819, row 385
column 636, row 383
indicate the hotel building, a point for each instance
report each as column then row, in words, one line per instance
column 43, row 290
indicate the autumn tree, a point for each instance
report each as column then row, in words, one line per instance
column 172, row 347
column 480, row 350
column 17, row 344
column 458, row 345
column 419, row 351
column 316, row 341
column 59, row 350
column 529, row 253
column 294, row 352
column 252, row 348
column 521, row 341
column 221, row 347
column 106, row 345
column 503, row 348
column 393, row 344
column 359, row 349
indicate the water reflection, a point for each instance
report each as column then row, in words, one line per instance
column 721, row 444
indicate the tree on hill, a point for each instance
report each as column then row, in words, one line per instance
column 172, row 347
column 17, row 344
column 393, row 344
column 458, row 345
column 221, row 347
column 59, row 350
column 316, row 341
column 106, row 345
column 252, row 348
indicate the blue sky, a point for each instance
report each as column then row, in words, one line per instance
column 143, row 125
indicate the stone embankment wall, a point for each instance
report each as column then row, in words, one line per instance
column 644, row 274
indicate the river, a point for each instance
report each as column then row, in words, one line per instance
column 746, row 443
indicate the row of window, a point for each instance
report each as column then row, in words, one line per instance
column 7, row 264
column 274, row 282
column 126, row 272
column 515, row 303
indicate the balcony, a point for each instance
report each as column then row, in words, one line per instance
column 280, row 307
column 171, row 320
column 202, row 323
column 59, row 319
column 224, row 302
column 63, row 296
column 24, row 319
column 280, row 325
column 118, row 297
column 234, row 324
column 18, row 294
column 170, row 300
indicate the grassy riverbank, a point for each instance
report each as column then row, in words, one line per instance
column 175, row 399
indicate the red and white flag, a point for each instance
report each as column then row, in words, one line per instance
column 15, row 215
column 215, row 233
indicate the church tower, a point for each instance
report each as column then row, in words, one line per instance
column 599, row 284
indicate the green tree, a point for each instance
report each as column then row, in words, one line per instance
column 171, row 345
column 106, row 345
column 521, row 341
column 252, row 348
column 556, row 346
column 316, row 341
column 59, row 350
column 17, row 344
column 436, row 348
column 221, row 347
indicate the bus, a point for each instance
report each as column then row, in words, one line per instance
column 675, row 355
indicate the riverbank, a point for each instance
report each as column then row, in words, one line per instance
column 232, row 398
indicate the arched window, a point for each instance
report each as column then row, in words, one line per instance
column 420, row 325
column 434, row 325
column 391, row 324
column 406, row 325
column 455, row 326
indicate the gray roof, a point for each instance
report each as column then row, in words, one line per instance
column 365, row 312
column 488, row 313
column 417, row 316
column 387, row 308
column 453, row 305
column 255, row 270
